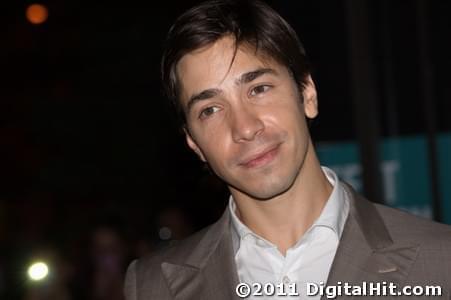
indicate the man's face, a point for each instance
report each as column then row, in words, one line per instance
column 246, row 121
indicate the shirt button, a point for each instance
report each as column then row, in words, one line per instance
column 286, row 279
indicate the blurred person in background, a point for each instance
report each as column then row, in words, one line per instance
column 108, row 258
column 173, row 224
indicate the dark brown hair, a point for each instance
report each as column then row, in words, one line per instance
column 249, row 22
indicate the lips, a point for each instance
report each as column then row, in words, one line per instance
column 261, row 158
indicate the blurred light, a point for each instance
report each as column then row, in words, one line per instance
column 165, row 233
column 38, row 271
column 37, row 13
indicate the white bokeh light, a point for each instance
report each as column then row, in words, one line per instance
column 38, row 271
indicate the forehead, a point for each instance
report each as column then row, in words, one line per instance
column 211, row 66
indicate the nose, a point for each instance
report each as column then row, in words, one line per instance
column 246, row 124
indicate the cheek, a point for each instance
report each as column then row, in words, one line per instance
column 215, row 147
column 285, row 116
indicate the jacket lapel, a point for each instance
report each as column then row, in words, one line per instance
column 209, row 272
column 366, row 251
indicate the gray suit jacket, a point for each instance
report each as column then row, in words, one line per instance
column 378, row 244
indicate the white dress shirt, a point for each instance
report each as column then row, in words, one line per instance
column 308, row 261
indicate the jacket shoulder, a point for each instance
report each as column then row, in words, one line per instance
column 174, row 252
column 408, row 227
column 144, row 278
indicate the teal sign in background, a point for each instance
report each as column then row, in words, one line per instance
column 405, row 171
column 444, row 154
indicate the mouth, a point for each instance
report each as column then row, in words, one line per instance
column 262, row 158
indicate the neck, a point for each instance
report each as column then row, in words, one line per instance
column 284, row 219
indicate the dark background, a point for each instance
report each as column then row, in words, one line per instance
column 87, row 140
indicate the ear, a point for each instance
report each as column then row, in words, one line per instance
column 310, row 99
column 193, row 145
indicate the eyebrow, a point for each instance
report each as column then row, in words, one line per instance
column 243, row 79
column 252, row 75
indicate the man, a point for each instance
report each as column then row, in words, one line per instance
column 239, row 78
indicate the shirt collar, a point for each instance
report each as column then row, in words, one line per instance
column 336, row 210
column 332, row 216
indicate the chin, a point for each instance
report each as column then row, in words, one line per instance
column 267, row 190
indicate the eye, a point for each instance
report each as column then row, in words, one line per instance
column 206, row 112
column 259, row 90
